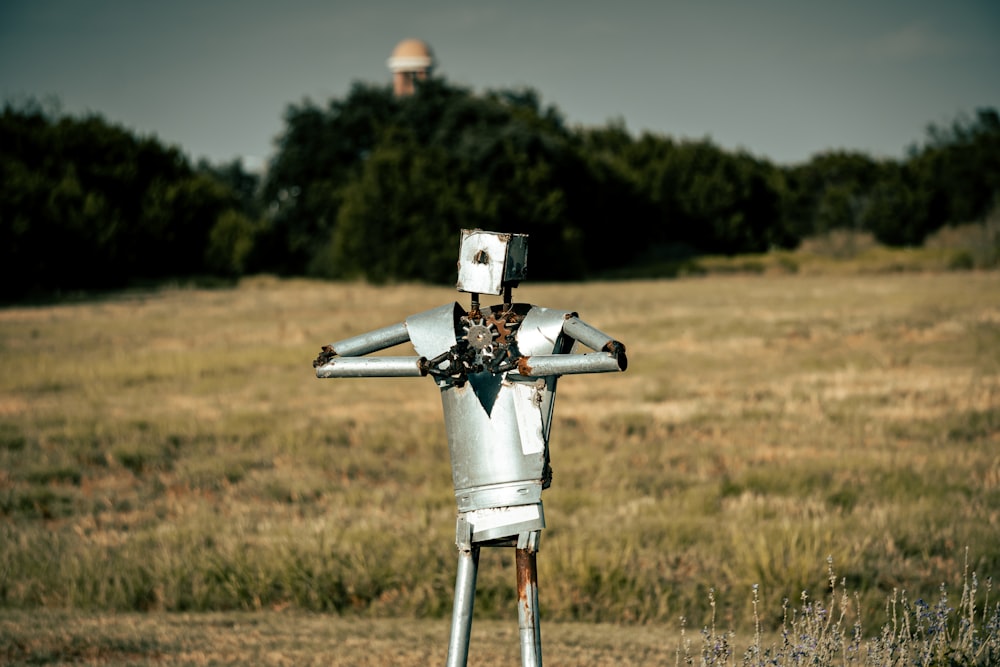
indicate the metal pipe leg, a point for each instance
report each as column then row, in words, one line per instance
column 465, row 597
column 527, row 608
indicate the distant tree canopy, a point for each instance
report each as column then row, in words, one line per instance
column 85, row 204
column 377, row 187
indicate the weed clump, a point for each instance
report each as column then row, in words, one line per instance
column 832, row 632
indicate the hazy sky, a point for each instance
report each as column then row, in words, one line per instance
column 783, row 79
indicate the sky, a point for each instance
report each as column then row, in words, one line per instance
column 780, row 79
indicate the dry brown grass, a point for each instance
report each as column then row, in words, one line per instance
column 304, row 639
column 171, row 451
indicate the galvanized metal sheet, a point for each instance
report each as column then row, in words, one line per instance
column 481, row 258
column 541, row 332
column 432, row 332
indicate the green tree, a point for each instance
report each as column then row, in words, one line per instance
column 617, row 218
column 958, row 170
column 319, row 153
column 86, row 204
column 708, row 199
column 395, row 217
column 830, row 192
column 434, row 161
column 896, row 214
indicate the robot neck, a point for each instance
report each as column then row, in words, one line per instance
column 507, row 300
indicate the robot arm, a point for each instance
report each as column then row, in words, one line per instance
column 608, row 357
column 345, row 358
column 360, row 367
column 433, row 331
column 579, row 330
column 541, row 365
column 362, row 344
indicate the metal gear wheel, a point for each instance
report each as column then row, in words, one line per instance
column 481, row 336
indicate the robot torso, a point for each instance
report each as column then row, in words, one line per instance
column 498, row 421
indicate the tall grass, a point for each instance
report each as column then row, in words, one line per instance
column 831, row 630
column 171, row 450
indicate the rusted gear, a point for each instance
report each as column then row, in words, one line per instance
column 502, row 328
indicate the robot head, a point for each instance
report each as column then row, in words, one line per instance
column 490, row 261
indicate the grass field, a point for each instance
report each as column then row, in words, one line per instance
column 171, row 451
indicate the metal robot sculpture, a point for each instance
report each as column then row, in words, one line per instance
column 496, row 368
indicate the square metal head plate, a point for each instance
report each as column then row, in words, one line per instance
column 489, row 261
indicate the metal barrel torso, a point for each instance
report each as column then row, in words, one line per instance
column 498, row 425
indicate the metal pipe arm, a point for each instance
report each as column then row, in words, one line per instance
column 357, row 367
column 597, row 340
column 362, row 344
column 372, row 341
column 541, row 365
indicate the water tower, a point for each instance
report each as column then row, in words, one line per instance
column 410, row 61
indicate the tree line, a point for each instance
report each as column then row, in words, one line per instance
column 377, row 187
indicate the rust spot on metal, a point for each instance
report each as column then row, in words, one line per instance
column 617, row 350
column 527, row 576
column 527, row 607
column 614, row 347
column 501, row 326
column 523, row 367
column 325, row 356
